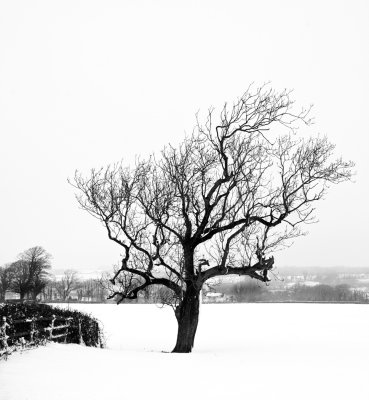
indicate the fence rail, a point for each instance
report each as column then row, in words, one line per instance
column 32, row 333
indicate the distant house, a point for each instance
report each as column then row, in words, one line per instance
column 214, row 297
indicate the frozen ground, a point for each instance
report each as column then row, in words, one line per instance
column 242, row 351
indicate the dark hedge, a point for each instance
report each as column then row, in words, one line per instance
column 90, row 328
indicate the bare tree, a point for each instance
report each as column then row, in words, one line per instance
column 89, row 289
column 6, row 277
column 30, row 274
column 38, row 260
column 67, row 284
column 218, row 204
column 21, row 282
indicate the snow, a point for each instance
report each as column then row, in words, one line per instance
column 242, row 351
column 214, row 294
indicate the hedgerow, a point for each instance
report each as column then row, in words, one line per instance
column 90, row 332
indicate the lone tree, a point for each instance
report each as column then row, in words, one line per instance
column 218, row 204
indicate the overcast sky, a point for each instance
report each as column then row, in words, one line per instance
column 86, row 83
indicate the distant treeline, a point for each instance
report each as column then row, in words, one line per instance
column 322, row 270
column 249, row 291
column 244, row 291
column 69, row 288
column 29, row 277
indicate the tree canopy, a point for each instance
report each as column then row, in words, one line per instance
column 235, row 190
column 29, row 274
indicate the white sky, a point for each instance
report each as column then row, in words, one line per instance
column 86, row 83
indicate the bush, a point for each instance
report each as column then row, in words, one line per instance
column 90, row 329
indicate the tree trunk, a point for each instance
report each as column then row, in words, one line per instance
column 187, row 314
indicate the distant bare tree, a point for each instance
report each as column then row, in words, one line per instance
column 6, row 277
column 89, row 289
column 67, row 284
column 101, row 292
column 38, row 260
column 222, row 201
column 30, row 274
column 21, row 282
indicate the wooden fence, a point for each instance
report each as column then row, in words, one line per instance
column 22, row 334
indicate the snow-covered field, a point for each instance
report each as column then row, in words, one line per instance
column 242, row 351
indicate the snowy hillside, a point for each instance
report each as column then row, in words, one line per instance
column 242, row 351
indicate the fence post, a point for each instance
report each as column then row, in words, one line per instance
column 3, row 336
column 33, row 329
column 67, row 323
column 52, row 326
column 80, row 331
column 22, row 342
